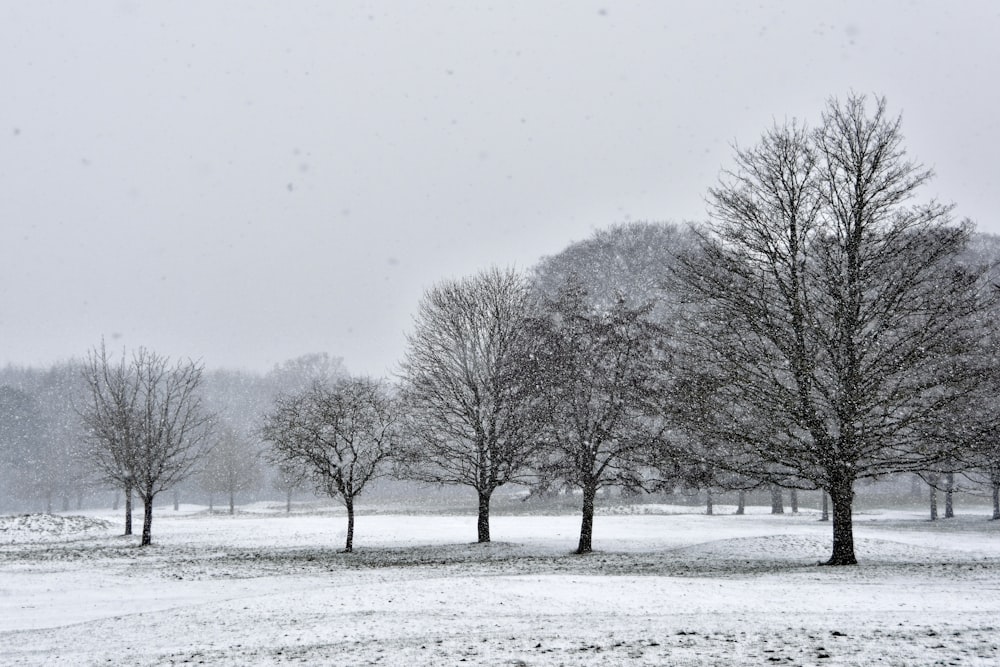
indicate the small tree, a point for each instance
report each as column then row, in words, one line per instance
column 468, row 411
column 289, row 477
column 110, row 418
column 341, row 433
column 146, row 424
column 232, row 466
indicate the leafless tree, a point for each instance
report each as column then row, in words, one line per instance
column 597, row 373
column 232, row 466
column 468, row 410
column 110, row 418
column 833, row 319
column 146, row 424
column 342, row 434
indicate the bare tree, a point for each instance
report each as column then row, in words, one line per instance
column 468, row 410
column 833, row 313
column 146, row 423
column 232, row 466
column 342, row 434
column 110, row 419
column 289, row 477
column 597, row 373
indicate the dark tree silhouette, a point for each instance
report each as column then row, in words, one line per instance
column 597, row 373
column 831, row 314
column 146, row 424
column 340, row 434
column 469, row 412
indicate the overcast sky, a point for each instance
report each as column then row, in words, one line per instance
column 245, row 182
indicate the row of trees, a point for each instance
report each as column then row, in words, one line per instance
column 824, row 327
column 72, row 430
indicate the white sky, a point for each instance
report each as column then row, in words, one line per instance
column 245, row 182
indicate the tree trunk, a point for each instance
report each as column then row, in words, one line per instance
column 587, row 525
column 793, row 498
column 177, row 500
column 147, row 521
column 288, row 502
column 996, row 500
column 128, row 510
column 211, row 503
column 777, row 506
column 232, row 502
column 483, row 520
column 933, row 498
column 826, row 507
column 708, row 501
column 949, row 493
column 842, row 498
column 349, row 503
column 741, row 502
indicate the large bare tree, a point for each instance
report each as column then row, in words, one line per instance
column 833, row 333
column 340, row 434
column 146, row 424
column 468, row 410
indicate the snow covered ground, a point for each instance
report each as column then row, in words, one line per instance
column 666, row 586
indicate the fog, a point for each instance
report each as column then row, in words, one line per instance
column 245, row 182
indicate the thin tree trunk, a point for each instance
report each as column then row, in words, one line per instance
column 211, row 503
column 741, row 502
column 232, row 502
column 147, row 521
column 349, row 503
column 826, row 507
column 483, row 518
column 842, row 499
column 793, row 498
column 587, row 524
column 708, row 501
column 777, row 505
column 177, row 500
column 996, row 500
column 288, row 502
column 128, row 509
column 949, row 493
column 933, row 499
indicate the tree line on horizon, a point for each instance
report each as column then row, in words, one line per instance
column 824, row 327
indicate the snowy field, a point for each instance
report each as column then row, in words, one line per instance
column 666, row 586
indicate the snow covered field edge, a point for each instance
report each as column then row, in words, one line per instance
column 665, row 586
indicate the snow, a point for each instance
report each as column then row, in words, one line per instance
column 666, row 585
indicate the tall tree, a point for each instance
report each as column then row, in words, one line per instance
column 597, row 373
column 342, row 434
column 147, row 426
column 833, row 314
column 469, row 412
